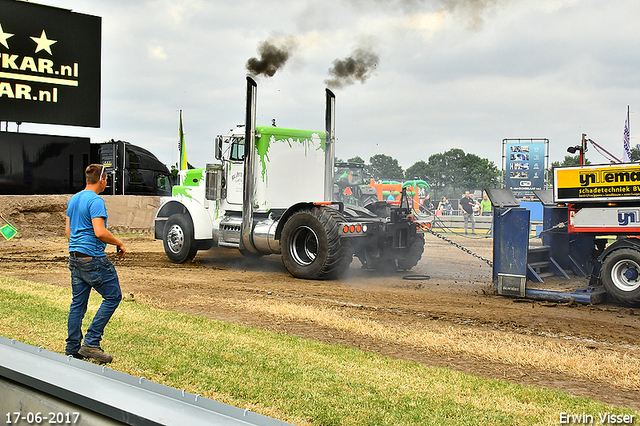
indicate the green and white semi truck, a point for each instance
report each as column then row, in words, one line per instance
column 270, row 192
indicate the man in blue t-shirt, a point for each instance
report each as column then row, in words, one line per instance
column 86, row 230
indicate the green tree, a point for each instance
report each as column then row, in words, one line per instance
column 419, row 170
column 635, row 154
column 569, row 160
column 479, row 173
column 445, row 171
column 384, row 167
column 573, row 160
column 356, row 159
column 452, row 172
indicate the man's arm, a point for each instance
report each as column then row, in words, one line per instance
column 104, row 235
column 67, row 228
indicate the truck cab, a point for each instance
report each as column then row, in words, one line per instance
column 132, row 170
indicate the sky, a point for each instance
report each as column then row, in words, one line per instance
column 437, row 74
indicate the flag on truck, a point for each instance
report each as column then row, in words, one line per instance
column 8, row 231
column 181, row 147
column 626, row 155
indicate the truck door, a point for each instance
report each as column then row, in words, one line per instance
column 235, row 177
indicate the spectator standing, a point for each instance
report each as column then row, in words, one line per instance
column 466, row 205
column 444, row 206
column 427, row 204
column 485, row 205
column 86, row 230
column 476, row 207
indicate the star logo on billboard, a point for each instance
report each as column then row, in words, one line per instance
column 4, row 36
column 43, row 43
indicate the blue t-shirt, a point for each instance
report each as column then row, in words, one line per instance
column 83, row 207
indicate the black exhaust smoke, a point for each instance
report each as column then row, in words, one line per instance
column 272, row 57
column 357, row 67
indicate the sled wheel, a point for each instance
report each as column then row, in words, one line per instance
column 179, row 244
column 311, row 245
column 621, row 275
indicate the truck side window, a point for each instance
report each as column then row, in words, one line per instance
column 237, row 150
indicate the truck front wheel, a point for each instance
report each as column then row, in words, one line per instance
column 621, row 275
column 179, row 244
column 311, row 244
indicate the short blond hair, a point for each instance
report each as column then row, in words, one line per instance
column 94, row 173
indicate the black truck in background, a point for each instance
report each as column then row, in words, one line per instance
column 48, row 164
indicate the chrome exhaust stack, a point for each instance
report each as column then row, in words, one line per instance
column 246, row 240
column 330, row 149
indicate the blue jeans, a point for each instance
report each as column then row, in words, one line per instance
column 99, row 274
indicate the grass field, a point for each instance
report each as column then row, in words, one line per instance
column 297, row 380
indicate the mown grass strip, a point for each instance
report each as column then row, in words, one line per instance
column 298, row 380
column 519, row 350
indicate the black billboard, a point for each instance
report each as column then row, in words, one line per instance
column 49, row 65
column 42, row 164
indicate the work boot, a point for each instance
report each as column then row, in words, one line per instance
column 96, row 353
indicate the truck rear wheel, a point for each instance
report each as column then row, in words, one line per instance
column 179, row 244
column 311, row 244
column 621, row 275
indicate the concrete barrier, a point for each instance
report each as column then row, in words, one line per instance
column 131, row 213
column 450, row 222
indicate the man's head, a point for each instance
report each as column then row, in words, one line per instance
column 467, row 194
column 95, row 173
column 485, row 197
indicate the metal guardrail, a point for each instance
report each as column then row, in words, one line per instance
column 108, row 393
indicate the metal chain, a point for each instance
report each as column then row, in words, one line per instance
column 487, row 261
column 453, row 243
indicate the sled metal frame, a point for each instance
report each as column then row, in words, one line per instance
column 511, row 249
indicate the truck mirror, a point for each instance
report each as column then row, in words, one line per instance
column 218, row 147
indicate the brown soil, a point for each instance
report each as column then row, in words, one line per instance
column 459, row 291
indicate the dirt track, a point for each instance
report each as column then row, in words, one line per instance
column 221, row 284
